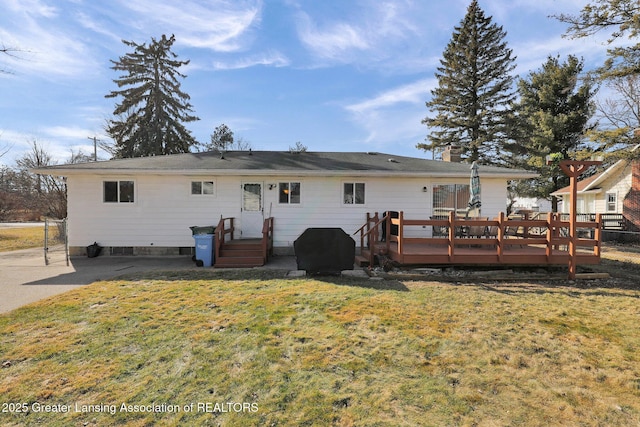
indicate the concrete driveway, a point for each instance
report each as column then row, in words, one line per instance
column 24, row 277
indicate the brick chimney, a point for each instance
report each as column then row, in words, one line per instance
column 452, row 153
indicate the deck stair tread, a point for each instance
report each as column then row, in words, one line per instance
column 241, row 253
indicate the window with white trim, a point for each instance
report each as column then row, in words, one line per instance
column 353, row 193
column 203, row 188
column 612, row 202
column 118, row 191
column 289, row 193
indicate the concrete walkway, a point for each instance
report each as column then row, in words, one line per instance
column 24, row 277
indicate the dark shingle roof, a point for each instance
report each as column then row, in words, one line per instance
column 281, row 163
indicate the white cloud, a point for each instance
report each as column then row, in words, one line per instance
column 43, row 47
column 369, row 31
column 31, row 7
column 218, row 25
column 335, row 41
column 394, row 115
column 272, row 58
column 412, row 93
column 87, row 21
column 65, row 132
column 532, row 54
column 57, row 141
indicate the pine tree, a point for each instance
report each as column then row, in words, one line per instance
column 622, row 19
column 153, row 107
column 553, row 113
column 221, row 138
column 470, row 104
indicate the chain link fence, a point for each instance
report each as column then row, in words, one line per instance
column 56, row 243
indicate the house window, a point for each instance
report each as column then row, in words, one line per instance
column 612, row 202
column 199, row 188
column 353, row 193
column 289, row 193
column 450, row 198
column 118, row 192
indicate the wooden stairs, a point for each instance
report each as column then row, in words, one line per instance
column 243, row 253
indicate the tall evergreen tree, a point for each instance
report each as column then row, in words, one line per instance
column 552, row 117
column 153, row 108
column 475, row 88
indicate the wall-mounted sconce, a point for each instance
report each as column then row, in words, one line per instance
column 425, row 189
column 272, row 186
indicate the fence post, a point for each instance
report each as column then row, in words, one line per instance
column 66, row 240
column 46, row 241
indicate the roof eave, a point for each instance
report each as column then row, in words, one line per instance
column 268, row 172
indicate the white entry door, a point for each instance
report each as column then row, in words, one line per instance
column 252, row 210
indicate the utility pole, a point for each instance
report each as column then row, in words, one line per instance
column 95, row 147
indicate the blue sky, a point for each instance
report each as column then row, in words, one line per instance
column 343, row 75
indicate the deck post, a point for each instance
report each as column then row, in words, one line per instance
column 452, row 235
column 387, row 225
column 400, row 232
column 367, row 233
column 598, row 236
column 549, row 236
column 573, row 169
column 500, row 244
column 375, row 235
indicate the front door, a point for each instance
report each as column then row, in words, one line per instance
column 252, row 210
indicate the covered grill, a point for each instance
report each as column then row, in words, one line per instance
column 324, row 251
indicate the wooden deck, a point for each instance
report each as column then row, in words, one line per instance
column 499, row 241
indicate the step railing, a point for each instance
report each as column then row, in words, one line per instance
column 267, row 238
column 221, row 231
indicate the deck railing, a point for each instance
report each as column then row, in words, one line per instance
column 220, row 233
column 267, row 238
column 498, row 237
column 610, row 221
column 370, row 234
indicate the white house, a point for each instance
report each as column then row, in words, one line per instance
column 146, row 205
column 613, row 191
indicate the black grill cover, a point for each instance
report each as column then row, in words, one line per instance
column 324, row 251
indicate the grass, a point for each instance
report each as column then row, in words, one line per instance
column 13, row 239
column 324, row 352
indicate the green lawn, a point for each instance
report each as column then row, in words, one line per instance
column 218, row 349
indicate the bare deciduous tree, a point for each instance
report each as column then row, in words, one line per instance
column 618, row 117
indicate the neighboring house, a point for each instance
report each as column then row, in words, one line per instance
column 531, row 204
column 147, row 204
column 613, row 191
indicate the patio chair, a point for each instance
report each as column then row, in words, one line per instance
column 477, row 231
column 492, row 230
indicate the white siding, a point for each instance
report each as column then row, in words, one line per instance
column 620, row 184
column 164, row 207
